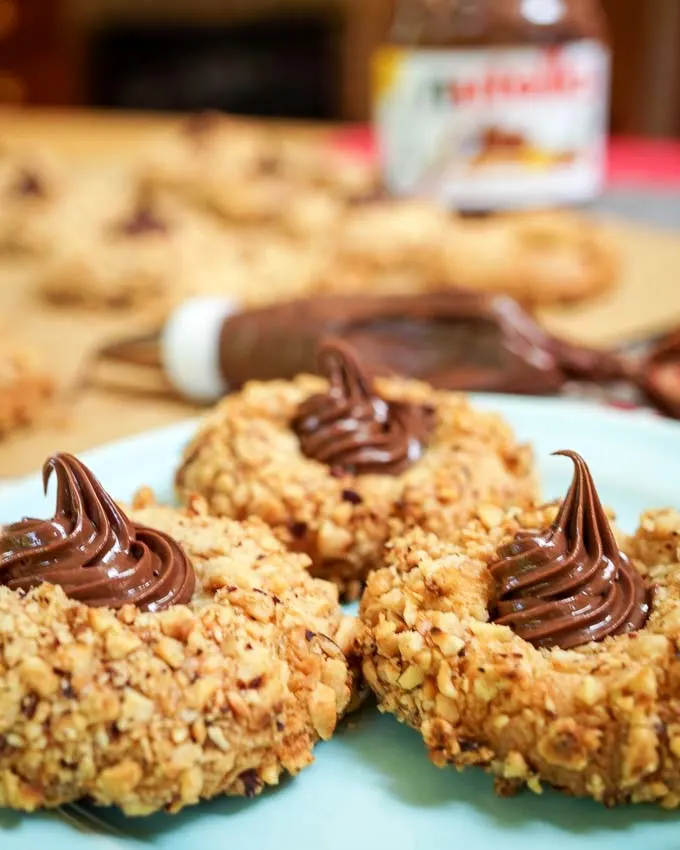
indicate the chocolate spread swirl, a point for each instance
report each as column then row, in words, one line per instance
column 349, row 427
column 92, row 550
column 570, row 584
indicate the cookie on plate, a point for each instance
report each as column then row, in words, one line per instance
column 155, row 659
column 25, row 386
column 332, row 465
column 540, row 645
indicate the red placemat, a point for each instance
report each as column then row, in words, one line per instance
column 648, row 162
column 632, row 161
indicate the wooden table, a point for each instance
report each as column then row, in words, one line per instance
column 648, row 299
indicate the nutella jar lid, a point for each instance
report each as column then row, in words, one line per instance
column 446, row 23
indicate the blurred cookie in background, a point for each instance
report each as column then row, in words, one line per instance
column 247, row 174
column 25, row 385
column 116, row 247
column 31, row 183
column 410, row 246
column 389, row 247
column 256, row 271
column 539, row 258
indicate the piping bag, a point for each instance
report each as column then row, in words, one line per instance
column 452, row 339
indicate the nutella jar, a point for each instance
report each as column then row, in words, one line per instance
column 494, row 104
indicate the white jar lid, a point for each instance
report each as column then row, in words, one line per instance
column 190, row 348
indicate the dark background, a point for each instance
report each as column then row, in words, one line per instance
column 303, row 59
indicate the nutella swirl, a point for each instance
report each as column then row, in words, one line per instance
column 92, row 550
column 350, row 428
column 570, row 584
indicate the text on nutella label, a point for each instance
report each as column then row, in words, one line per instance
column 494, row 127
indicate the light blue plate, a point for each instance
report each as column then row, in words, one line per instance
column 372, row 786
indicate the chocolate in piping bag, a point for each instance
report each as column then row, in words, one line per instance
column 453, row 339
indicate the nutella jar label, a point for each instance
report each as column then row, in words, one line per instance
column 494, row 128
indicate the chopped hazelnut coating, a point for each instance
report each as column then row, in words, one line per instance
column 247, row 460
column 159, row 711
column 599, row 721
